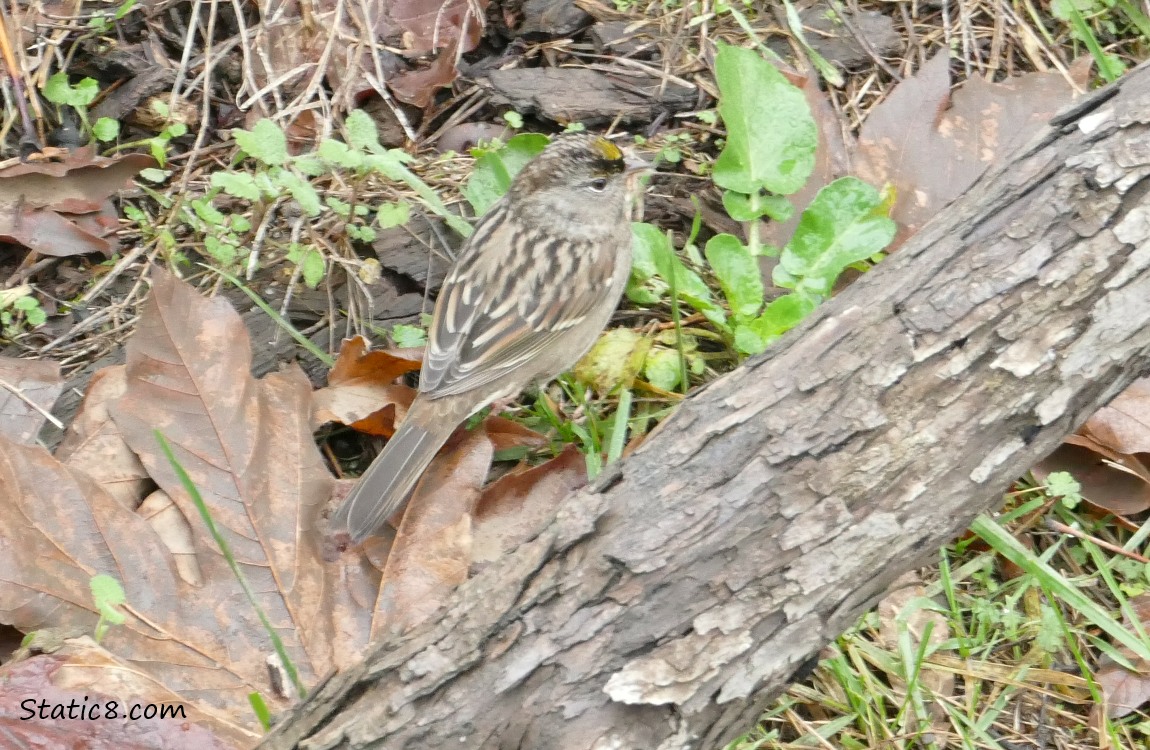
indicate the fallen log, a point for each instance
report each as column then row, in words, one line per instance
column 667, row 604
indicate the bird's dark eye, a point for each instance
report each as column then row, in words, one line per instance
column 598, row 185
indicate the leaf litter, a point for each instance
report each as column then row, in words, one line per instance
column 248, row 446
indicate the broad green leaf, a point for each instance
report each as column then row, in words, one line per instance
column 771, row 135
column 408, row 336
column 740, row 207
column 781, row 315
column 339, row 154
column 313, row 269
column 265, row 142
column 644, row 287
column 393, row 214
column 310, row 262
column 310, row 165
column 209, row 213
column 613, row 361
column 343, row 208
column 151, row 174
column 656, row 250
column 738, row 274
column 58, row 91
column 496, row 168
column 302, row 190
column 224, row 253
column 844, row 224
column 661, row 368
column 107, row 594
column 361, row 132
column 106, row 129
column 237, row 184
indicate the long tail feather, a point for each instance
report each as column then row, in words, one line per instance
column 389, row 480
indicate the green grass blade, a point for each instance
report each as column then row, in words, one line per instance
column 201, row 506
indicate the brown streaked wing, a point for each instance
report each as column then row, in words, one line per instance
column 486, row 327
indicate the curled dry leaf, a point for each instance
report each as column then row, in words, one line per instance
column 66, row 677
column 93, row 443
column 28, row 388
column 1123, row 425
column 63, row 208
column 432, row 549
column 176, row 534
column 362, row 392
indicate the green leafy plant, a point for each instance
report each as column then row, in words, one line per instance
column 107, row 595
column 19, row 310
column 102, row 22
column 496, row 164
column 277, row 174
column 61, row 92
column 769, row 153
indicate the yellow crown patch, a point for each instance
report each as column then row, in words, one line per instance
column 606, row 149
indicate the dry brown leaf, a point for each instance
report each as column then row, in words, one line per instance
column 53, row 682
column 432, row 549
column 932, row 144
column 417, row 87
column 173, row 529
column 429, row 25
column 26, row 384
column 247, row 445
column 1126, row 690
column 62, row 208
column 1103, row 485
column 1123, row 425
column 93, row 442
column 84, row 671
column 518, row 505
column 362, row 392
column 59, row 528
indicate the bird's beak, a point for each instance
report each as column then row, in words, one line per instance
column 634, row 165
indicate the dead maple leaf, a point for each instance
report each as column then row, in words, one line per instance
column 431, row 553
column 248, row 446
column 36, row 693
column 28, row 389
column 63, row 208
column 93, row 443
column 932, row 143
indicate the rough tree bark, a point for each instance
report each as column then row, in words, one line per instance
column 667, row 604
